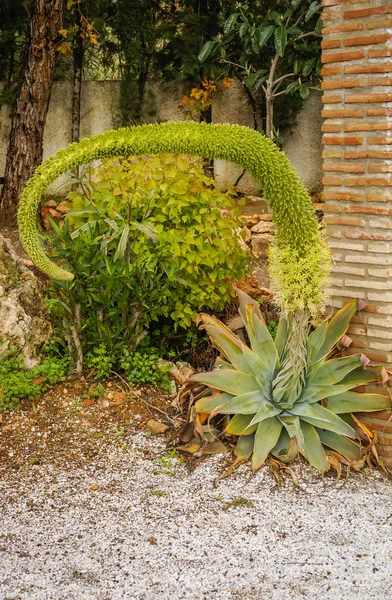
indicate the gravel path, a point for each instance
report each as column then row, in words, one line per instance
column 136, row 525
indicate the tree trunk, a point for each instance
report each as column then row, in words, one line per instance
column 77, row 84
column 269, row 99
column 24, row 152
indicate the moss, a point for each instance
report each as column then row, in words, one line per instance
column 300, row 251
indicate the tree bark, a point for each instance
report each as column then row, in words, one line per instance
column 269, row 99
column 25, row 150
column 77, row 84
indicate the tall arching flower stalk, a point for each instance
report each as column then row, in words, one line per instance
column 299, row 260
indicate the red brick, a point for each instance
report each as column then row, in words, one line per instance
column 379, row 197
column 367, row 12
column 331, row 180
column 331, row 99
column 330, row 71
column 344, row 221
column 331, row 16
column 365, row 98
column 379, row 112
column 367, row 40
column 331, row 154
column 344, row 168
column 343, row 27
column 380, row 168
column 380, row 140
column 367, row 210
column 334, row 233
column 357, row 127
column 379, row 81
column 379, row 24
column 342, row 84
column 328, row 44
column 344, row 140
column 332, row 208
column 367, row 181
column 376, row 53
column 377, row 424
column 383, row 126
column 341, row 113
column 362, row 235
column 345, row 196
column 342, row 56
column 368, row 154
column 331, row 128
column 355, row 69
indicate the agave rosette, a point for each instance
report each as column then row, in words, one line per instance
column 286, row 419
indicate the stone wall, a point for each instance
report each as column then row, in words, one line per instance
column 357, row 51
column 99, row 112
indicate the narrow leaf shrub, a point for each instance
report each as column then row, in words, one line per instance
column 148, row 237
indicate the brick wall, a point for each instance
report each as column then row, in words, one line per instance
column 357, row 165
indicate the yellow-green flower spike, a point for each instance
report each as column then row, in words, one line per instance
column 300, row 254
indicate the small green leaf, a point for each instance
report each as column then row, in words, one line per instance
column 304, row 91
column 208, row 49
column 312, row 10
column 280, row 37
column 265, row 34
column 229, row 23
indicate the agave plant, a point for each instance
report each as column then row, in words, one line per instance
column 272, row 414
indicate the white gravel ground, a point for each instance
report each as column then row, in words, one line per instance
column 152, row 531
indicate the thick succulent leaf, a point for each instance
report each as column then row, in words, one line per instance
column 239, row 425
column 357, row 377
column 209, row 403
column 244, row 404
column 286, row 448
column 266, row 410
column 361, row 376
column 228, row 343
column 292, row 425
column 315, row 342
column 232, row 382
column 244, row 300
column 281, row 335
column 354, row 402
column 333, row 371
column 319, row 416
column 261, row 340
column 222, row 364
column 336, row 328
column 312, row 448
column 244, row 447
column 266, row 437
column 345, row 447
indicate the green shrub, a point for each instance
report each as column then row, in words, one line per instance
column 142, row 367
column 147, row 237
column 17, row 383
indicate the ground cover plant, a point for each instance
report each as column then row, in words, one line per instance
column 272, row 411
column 18, row 383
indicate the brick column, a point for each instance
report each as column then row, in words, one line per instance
column 357, row 163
